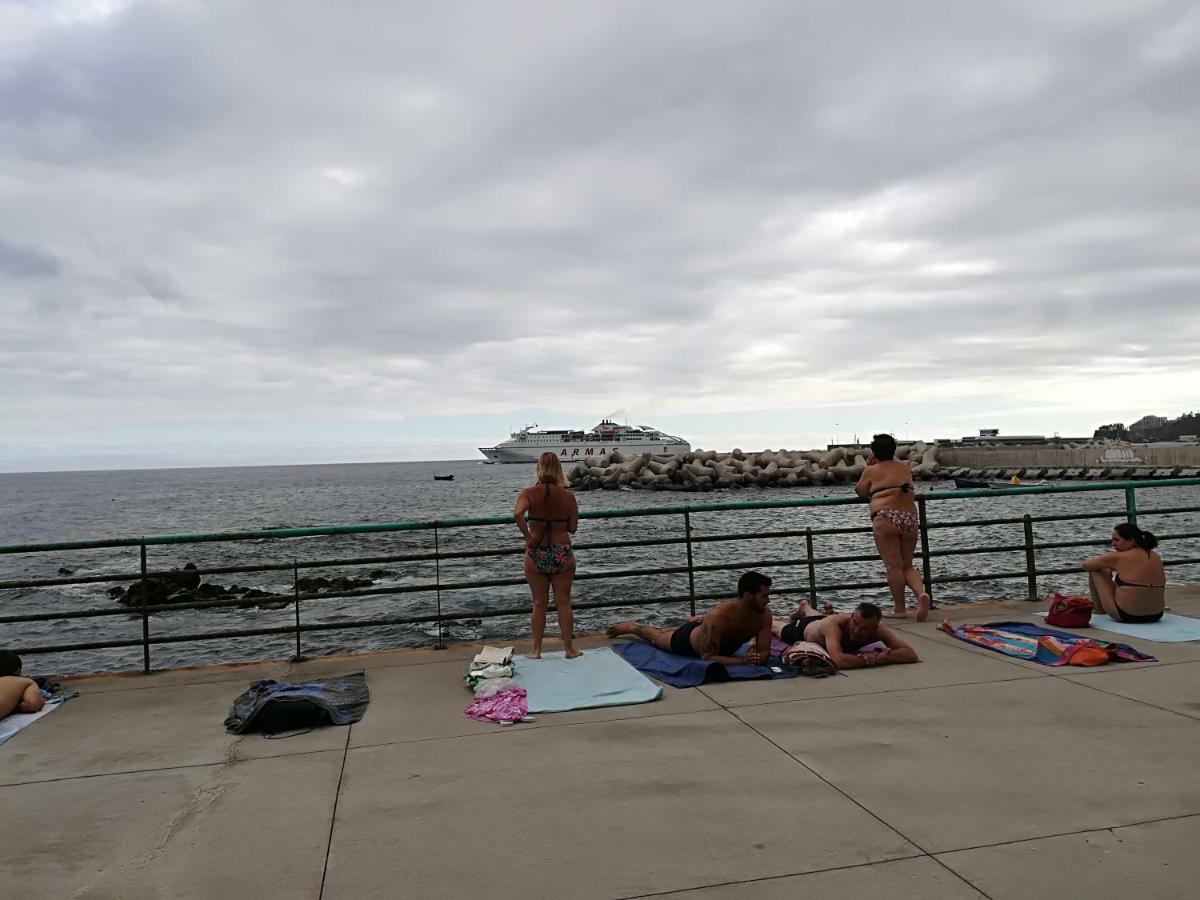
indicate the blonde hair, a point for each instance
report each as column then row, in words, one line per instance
column 550, row 469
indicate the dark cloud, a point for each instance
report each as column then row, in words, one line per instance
column 27, row 262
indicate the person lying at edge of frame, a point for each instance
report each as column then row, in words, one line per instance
column 843, row 634
column 17, row 694
column 717, row 635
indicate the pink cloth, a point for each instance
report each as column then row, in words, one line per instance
column 506, row 706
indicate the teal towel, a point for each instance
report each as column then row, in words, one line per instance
column 598, row 678
column 1170, row 629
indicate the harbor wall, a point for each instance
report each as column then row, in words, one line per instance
column 1051, row 457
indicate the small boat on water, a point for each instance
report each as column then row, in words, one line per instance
column 443, row 477
column 978, row 483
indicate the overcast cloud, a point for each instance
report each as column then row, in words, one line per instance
column 300, row 231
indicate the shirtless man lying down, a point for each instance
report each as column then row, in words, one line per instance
column 842, row 634
column 719, row 633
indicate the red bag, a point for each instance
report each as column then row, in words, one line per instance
column 1070, row 612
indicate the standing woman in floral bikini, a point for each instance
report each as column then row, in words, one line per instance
column 887, row 483
column 553, row 516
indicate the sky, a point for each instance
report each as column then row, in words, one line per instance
column 287, row 232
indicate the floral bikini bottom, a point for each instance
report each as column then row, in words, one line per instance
column 906, row 521
column 550, row 559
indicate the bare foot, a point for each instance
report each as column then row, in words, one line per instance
column 922, row 607
column 534, row 654
column 620, row 628
column 828, row 609
column 571, row 653
column 892, row 614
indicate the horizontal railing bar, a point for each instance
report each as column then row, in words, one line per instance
column 1065, row 570
column 951, row 579
column 981, row 523
column 352, row 624
column 71, row 614
column 968, row 551
column 798, row 532
column 1054, row 545
column 693, row 508
column 1167, row 511
column 1115, row 514
column 840, row 586
column 857, row 557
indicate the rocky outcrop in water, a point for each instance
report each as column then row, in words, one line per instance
column 707, row 470
column 184, row 586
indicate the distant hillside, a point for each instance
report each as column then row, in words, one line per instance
column 1152, row 428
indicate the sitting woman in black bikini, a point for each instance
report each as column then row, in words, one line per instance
column 1128, row 582
column 553, row 516
column 887, row 483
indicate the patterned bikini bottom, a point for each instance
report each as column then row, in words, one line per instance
column 550, row 559
column 906, row 521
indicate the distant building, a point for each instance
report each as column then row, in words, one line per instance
column 992, row 436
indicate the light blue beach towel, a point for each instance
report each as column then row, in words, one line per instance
column 10, row 725
column 598, row 678
column 1169, row 629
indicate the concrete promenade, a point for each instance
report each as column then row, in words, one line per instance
column 969, row 775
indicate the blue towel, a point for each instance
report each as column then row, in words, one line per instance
column 685, row 671
column 597, row 678
column 1169, row 629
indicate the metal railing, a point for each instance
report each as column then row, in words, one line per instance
column 928, row 554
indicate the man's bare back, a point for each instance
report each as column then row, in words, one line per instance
column 844, row 634
column 718, row 634
column 726, row 627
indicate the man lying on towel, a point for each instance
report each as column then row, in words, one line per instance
column 843, row 634
column 17, row 694
column 718, row 634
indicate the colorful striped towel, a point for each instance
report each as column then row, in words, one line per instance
column 1025, row 640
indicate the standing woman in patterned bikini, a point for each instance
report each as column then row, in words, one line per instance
column 553, row 516
column 887, row 483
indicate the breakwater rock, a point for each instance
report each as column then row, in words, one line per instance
column 185, row 586
column 707, row 470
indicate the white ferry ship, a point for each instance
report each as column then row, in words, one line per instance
column 526, row 445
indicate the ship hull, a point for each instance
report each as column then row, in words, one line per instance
column 568, row 453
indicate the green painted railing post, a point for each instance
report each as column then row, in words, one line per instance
column 928, row 573
column 1030, row 559
column 299, row 657
column 145, row 614
column 1131, row 505
column 437, row 575
column 687, row 531
column 812, row 567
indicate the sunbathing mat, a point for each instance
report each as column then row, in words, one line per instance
column 1024, row 640
column 684, row 671
column 10, row 725
column 1168, row 630
column 598, row 678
